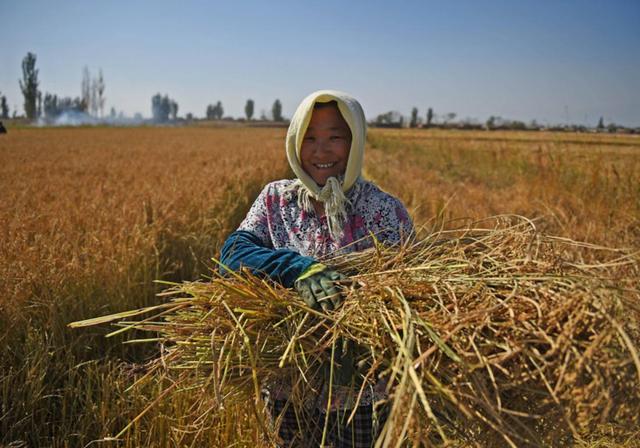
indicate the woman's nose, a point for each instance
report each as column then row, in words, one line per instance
column 322, row 145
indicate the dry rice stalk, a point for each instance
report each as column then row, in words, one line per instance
column 491, row 335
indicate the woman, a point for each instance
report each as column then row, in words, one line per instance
column 328, row 209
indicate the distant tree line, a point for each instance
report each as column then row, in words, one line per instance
column 394, row 119
column 216, row 111
column 50, row 106
column 92, row 100
column 163, row 108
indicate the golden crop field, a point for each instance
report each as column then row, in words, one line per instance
column 583, row 186
column 90, row 217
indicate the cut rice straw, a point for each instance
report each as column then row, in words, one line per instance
column 492, row 334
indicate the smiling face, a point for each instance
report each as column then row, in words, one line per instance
column 326, row 145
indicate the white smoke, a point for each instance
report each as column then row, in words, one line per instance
column 76, row 118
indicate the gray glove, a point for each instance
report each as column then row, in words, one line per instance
column 319, row 291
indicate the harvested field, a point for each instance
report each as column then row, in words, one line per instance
column 90, row 217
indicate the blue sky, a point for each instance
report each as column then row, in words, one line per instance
column 518, row 59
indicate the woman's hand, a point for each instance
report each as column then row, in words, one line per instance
column 320, row 289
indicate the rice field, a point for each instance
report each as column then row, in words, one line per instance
column 90, row 217
column 584, row 186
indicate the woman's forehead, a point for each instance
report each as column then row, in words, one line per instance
column 328, row 118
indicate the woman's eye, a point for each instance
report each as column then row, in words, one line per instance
column 335, row 137
column 309, row 139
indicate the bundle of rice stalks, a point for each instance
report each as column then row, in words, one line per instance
column 495, row 334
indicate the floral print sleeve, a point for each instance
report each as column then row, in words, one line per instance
column 392, row 223
column 257, row 220
column 378, row 213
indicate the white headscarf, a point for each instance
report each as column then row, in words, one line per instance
column 332, row 194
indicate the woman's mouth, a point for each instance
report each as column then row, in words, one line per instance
column 324, row 166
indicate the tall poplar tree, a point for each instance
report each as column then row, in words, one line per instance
column 4, row 107
column 248, row 109
column 276, row 111
column 414, row 118
column 29, row 85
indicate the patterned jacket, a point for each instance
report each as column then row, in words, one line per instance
column 280, row 240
